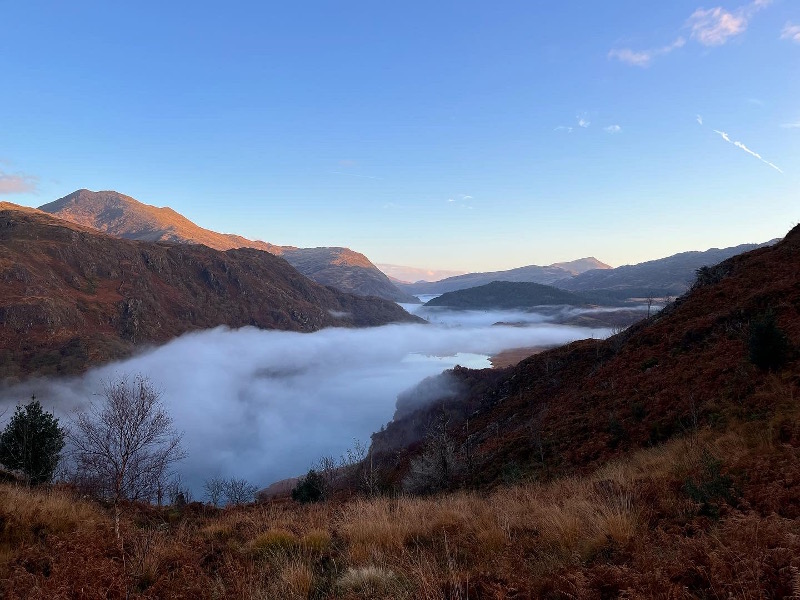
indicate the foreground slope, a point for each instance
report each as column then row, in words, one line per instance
column 71, row 296
column 122, row 216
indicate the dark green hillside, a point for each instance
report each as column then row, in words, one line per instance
column 510, row 295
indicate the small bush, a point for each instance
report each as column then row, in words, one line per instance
column 274, row 541
column 616, row 430
column 711, row 275
column 317, row 541
column 768, row 345
column 712, row 487
column 649, row 363
column 369, row 582
column 310, row 488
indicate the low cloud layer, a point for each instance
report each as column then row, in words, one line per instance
column 265, row 405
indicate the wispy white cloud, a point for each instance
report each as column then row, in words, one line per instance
column 795, row 125
column 583, row 121
column 18, row 183
column 709, row 27
column 699, row 119
column 612, row 129
column 741, row 146
column 563, row 128
column 791, row 32
column 643, row 58
column 715, row 26
column 460, row 198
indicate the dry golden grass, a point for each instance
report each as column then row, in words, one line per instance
column 30, row 514
column 622, row 527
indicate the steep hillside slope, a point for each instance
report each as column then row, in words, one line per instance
column 531, row 273
column 574, row 407
column 666, row 276
column 344, row 269
column 71, row 297
column 126, row 217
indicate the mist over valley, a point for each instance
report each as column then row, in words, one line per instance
column 266, row 405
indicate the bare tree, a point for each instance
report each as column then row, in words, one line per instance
column 125, row 443
column 434, row 469
column 178, row 494
column 215, row 490
column 239, row 491
column 329, row 470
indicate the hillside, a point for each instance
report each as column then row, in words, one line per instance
column 575, row 407
column 530, row 273
column 670, row 276
column 508, row 295
column 72, row 297
column 122, row 216
column 346, row 270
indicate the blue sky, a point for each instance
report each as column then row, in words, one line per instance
column 462, row 135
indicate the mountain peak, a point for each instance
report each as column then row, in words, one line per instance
column 122, row 216
column 581, row 265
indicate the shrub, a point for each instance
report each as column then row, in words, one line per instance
column 369, row 582
column 712, row 487
column 768, row 345
column 274, row 541
column 310, row 488
column 317, row 541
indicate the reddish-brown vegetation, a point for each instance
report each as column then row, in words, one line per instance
column 577, row 406
column 71, row 297
column 629, row 529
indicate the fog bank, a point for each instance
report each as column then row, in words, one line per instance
column 265, row 405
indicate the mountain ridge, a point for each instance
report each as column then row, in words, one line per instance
column 126, row 217
column 529, row 273
column 72, row 297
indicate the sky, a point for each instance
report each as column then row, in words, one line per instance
column 451, row 135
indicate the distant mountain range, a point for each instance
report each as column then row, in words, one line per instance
column 403, row 274
column 122, row 216
column 669, row 276
column 71, row 297
column 532, row 273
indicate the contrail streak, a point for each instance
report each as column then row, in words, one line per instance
column 738, row 144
